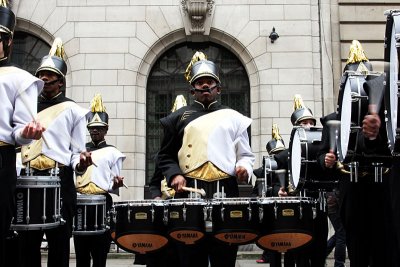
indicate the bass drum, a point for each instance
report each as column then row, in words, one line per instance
column 352, row 107
column 303, row 150
column 392, row 46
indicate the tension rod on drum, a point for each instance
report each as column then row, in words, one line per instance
column 378, row 171
column 353, row 169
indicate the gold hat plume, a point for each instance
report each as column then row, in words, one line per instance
column 298, row 102
column 97, row 104
column 57, row 49
column 356, row 53
column 4, row 3
column 180, row 101
column 275, row 132
column 196, row 57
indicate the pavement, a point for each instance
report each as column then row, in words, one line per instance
column 246, row 257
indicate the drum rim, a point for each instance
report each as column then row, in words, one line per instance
column 306, row 134
column 390, row 124
column 150, row 202
column 287, row 200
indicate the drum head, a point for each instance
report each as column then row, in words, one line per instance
column 391, row 98
column 345, row 121
column 295, row 157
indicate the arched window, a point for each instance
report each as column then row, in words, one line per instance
column 166, row 81
column 28, row 51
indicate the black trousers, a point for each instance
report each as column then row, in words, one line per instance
column 92, row 247
column 314, row 254
column 365, row 216
column 207, row 251
column 25, row 248
column 8, row 177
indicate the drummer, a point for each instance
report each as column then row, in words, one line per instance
column 60, row 152
column 274, row 146
column 206, row 144
column 313, row 253
column 102, row 179
column 18, row 89
column 363, row 203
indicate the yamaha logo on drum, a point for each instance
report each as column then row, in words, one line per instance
column 142, row 245
column 187, row 235
column 235, row 236
column 79, row 218
column 281, row 244
column 20, row 207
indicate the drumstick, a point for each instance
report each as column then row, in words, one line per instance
column 23, row 98
column 281, row 174
column 375, row 88
column 195, row 190
column 114, row 175
column 334, row 126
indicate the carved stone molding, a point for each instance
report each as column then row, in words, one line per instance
column 197, row 16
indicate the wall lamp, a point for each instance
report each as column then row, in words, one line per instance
column 273, row 35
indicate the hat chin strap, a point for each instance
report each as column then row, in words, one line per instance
column 209, row 90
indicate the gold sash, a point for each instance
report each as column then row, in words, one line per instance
column 208, row 172
column 4, row 144
column 34, row 150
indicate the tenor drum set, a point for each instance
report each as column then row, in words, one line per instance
column 279, row 224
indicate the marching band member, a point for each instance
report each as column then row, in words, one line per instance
column 274, row 147
column 208, row 143
column 363, row 202
column 17, row 123
column 103, row 179
column 63, row 152
column 312, row 254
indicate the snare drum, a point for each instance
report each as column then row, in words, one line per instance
column 302, row 161
column 286, row 222
column 37, row 203
column 352, row 107
column 186, row 219
column 139, row 226
column 235, row 220
column 90, row 215
column 392, row 108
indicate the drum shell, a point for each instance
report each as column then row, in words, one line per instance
column 359, row 108
column 139, row 226
column 42, row 195
column 187, row 227
column 86, row 222
column 287, row 228
column 305, row 167
column 235, row 220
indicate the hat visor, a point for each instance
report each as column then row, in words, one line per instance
column 97, row 124
column 48, row 68
column 205, row 74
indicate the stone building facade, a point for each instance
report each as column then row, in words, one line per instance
column 111, row 47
